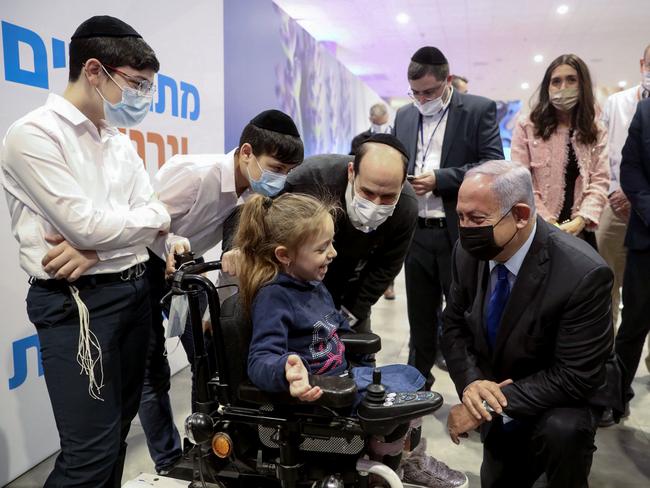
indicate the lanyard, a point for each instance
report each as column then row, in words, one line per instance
column 421, row 124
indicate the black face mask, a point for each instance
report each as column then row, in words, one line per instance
column 479, row 241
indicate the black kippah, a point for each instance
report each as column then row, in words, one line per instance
column 389, row 140
column 276, row 121
column 104, row 26
column 429, row 55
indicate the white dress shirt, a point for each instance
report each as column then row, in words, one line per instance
column 199, row 193
column 428, row 158
column 63, row 175
column 617, row 116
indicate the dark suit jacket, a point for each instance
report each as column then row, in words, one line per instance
column 635, row 178
column 366, row 263
column 556, row 332
column 471, row 137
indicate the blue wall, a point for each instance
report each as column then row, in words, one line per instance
column 252, row 50
column 272, row 62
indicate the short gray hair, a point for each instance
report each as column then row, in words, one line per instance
column 511, row 183
column 378, row 110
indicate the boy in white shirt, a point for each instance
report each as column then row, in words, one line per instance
column 83, row 212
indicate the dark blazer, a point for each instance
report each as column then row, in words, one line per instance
column 635, row 178
column 556, row 332
column 471, row 137
column 366, row 263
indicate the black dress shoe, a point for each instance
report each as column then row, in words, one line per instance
column 607, row 419
column 441, row 363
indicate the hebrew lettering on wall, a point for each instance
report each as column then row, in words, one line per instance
column 154, row 145
column 26, row 62
column 19, row 350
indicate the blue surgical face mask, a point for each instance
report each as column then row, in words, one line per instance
column 129, row 111
column 269, row 184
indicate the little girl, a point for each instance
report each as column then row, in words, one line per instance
column 286, row 245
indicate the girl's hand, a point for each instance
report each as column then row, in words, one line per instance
column 298, row 379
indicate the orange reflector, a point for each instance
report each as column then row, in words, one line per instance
column 221, row 445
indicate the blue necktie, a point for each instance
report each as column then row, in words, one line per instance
column 497, row 304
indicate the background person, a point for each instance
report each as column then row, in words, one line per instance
column 445, row 133
column 564, row 145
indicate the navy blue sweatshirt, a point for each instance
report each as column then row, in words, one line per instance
column 291, row 316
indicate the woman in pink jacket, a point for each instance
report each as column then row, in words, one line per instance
column 564, row 146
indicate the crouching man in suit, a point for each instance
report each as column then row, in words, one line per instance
column 527, row 334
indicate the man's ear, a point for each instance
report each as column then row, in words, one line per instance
column 522, row 213
column 350, row 171
column 282, row 255
column 246, row 149
column 93, row 71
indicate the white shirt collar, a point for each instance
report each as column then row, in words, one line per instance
column 228, row 173
column 72, row 114
column 517, row 259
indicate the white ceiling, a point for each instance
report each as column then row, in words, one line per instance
column 491, row 42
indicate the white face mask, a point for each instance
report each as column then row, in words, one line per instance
column 365, row 215
column 645, row 81
column 380, row 128
column 433, row 107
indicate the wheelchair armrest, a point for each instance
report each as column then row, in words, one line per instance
column 337, row 393
column 361, row 342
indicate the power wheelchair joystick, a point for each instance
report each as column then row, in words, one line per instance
column 381, row 413
column 376, row 393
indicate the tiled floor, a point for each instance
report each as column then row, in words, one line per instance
column 621, row 461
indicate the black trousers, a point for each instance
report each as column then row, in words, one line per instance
column 559, row 443
column 92, row 432
column 427, row 271
column 635, row 318
column 163, row 439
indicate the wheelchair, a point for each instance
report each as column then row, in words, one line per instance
column 240, row 436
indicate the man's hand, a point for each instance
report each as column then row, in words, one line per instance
column 298, row 379
column 66, row 262
column 180, row 247
column 460, row 421
column 620, row 205
column 480, row 390
column 424, row 183
column 230, row 262
column 574, row 226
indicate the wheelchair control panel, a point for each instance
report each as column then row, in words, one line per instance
column 380, row 412
column 406, row 397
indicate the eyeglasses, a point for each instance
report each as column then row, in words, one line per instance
column 144, row 88
column 428, row 95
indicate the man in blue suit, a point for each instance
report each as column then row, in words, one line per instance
column 635, row 182
column 445, row 133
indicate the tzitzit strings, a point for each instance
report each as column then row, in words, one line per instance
column 87, row 342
